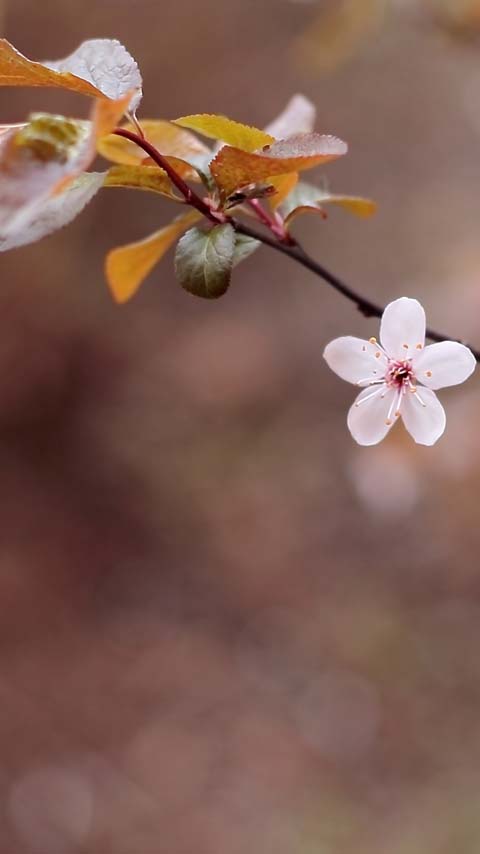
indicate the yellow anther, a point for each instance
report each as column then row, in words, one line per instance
column 377, row 354
column 428, row 373
column 372, row 340
column 388, row 422
column 419, row 347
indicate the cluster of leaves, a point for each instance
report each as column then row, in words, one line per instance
column 45, row 182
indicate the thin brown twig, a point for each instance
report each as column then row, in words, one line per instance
column 293, row 250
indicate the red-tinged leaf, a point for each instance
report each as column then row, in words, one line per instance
column 226, row 130
column 99, row 68
column 127, row 266
column 297, row 117
column 233, row 168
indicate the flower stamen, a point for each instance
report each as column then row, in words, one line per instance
column 369, row 396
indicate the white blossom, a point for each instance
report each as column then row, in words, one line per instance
column 399, row 375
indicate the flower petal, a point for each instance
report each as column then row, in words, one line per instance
column 368, row 419
column 402, row 328
column 423, row 416
column 444, row 364
column 353, row 359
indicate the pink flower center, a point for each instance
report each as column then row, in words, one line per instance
column 400, row 374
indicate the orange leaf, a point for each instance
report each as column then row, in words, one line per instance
column 284, row 184
column 127, row 266
column 99, row 68
column 169, row 140
column 234, row 168
column 141, row 178
column 357, row 205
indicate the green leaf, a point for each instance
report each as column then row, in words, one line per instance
column 244, row 247
column 204, row 260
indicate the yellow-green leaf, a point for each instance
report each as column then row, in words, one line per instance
column 226, row 130
column 233, row 168
column 141, row 178
column 127, row 266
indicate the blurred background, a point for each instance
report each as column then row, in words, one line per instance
column 224, row 627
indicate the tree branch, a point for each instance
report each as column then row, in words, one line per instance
column 191, row 198
column 293, row 249
column 364, row 305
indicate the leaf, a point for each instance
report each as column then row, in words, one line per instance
column 306, row 198
column 35, row 159
column 55, row 212
column 141, row 178
column 99, row 67
column 41, row 159
column 283, row 185
column 244, row 247
column 357, row 205
column 297, row 117
column 233, row 168
column 127, row 266
column 167, row 138
column 204, row 260
column 226, row 130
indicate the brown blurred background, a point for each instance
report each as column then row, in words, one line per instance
column 225, row 628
